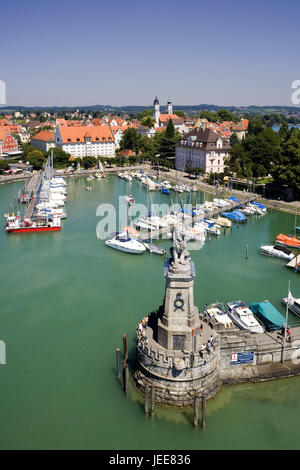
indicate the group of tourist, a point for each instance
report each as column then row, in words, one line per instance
column 208, row 345
column 141, row 330
column 288, row 333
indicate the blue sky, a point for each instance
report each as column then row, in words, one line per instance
column 126, row 52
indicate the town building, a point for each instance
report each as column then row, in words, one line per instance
column 44, row 140
column 82, row 141
column 202, row 148
column 8, row 144
column 226, row 128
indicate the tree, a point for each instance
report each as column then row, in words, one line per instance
column 60, row 157
column 37, row 159
column 147, row 121
column 225, row 115
column 234, row 140
column 131, row 140
column 89, row 162
column 167, row 146
column 3, row 166
column 179, row 113
column 286, row 168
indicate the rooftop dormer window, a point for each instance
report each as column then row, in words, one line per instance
column 69, row 140
column 97, row 138
column 103, row 138
column 78, row 140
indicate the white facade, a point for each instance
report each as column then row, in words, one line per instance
column 88, row 146
column 211, row 156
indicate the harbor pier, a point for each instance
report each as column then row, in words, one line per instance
column 184, row 354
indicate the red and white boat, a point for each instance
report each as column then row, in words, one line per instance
column 14, row 224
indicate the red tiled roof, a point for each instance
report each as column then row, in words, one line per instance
column 45, row 136
column 167, row 117
column 79, row 133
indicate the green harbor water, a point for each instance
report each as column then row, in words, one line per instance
column 66, row 300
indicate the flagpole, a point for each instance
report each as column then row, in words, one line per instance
column 286, row 321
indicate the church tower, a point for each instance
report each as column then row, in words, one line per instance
column 156, row 112
column 170, row 107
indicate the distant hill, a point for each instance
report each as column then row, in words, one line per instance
column 188, row 109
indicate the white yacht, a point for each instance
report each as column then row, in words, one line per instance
column 280, row 251
column 123, row 242
column 243, row 317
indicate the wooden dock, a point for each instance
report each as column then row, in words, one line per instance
column 156, row 234
column 32, row 187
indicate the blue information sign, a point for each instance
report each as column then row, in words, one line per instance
column 241, row 358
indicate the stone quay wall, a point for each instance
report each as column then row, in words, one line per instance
column 267, row 358
column 177, row 380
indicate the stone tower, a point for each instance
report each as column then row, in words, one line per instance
column 169, row 355
column 156, row 112
column 170, row 107
column 180, row 316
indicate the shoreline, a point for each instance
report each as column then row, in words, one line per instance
column 172, row 175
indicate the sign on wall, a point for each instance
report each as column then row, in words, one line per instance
column 241, row 358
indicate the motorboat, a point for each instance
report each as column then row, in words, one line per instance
column 165, row 191
column 288, row 240
column 218, row 313
column 54, row 212
column 178, row 188
column 294, row 304
column 123, row 242
column 143, row 223
column 235, row 216
column 211, row 228
column 223, row 222
column 127, row 177
column 279, row 251
column 166, row 184
column 221, row 203
column 155, row 249
column 243, row 317
column 262, row 207
column 268, row 315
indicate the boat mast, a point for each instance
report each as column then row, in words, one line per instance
column 286, row 320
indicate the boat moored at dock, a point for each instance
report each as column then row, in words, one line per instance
column 288, row 240
column 218, row 313
column 279, row 251
column 268, row 314
column 243, row 317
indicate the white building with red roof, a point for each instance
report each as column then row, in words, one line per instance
column 44, row 140
column 82, row 141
